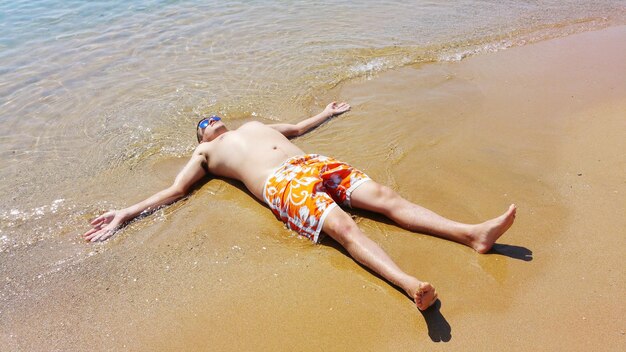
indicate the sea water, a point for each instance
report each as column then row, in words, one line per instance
column 93, row 94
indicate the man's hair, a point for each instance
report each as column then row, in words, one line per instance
column 198, row 134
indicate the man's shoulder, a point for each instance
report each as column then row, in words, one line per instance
column 203, row 148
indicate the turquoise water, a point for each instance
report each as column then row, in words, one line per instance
column 92, row 89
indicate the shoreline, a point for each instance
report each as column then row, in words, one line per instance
column 539, row 125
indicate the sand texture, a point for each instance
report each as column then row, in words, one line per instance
column 542, row 126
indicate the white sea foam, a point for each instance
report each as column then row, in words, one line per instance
column 25, row 227
column 369, row 68
column 4, row 242
column 13, row 215
column 486, row 48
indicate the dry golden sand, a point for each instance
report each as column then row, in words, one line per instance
column 542, row 126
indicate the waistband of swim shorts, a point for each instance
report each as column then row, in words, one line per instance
column 291, row 160
column 296, row 159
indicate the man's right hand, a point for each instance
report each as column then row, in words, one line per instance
column 105, row 225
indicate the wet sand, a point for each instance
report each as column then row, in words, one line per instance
column 541, row 126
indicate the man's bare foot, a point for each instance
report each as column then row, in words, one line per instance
column 425, row 296
column 487, row 233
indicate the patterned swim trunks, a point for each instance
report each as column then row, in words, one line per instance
column 305, row 188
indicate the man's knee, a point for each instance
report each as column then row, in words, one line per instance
column 386, row 197
column 341, row 227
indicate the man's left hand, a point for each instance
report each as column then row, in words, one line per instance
column 335, row 108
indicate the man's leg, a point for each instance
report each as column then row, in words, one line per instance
column 375, row 197
column 344, row 230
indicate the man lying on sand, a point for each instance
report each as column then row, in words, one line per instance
column 303, row 190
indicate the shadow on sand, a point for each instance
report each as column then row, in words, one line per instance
column 439, row 329
column 511, row 251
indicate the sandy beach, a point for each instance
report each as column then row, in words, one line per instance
column 542, row 126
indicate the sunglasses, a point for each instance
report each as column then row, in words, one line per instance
column 205, row 122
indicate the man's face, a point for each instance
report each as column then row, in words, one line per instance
column 210, row 128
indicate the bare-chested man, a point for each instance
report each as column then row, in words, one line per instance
column 303, row 191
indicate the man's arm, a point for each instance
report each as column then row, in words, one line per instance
column 105, row 225
column 291, row 130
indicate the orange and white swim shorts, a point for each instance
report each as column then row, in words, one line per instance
column 305, row 188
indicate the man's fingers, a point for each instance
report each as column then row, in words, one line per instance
column 97, row 220
column 104, row 226
column 343, row 106
column 91, row 234
column 88, row 233
column 338, row 108
column 103, row 235
column 100, row 235
column 103, row 218
column 97, row 236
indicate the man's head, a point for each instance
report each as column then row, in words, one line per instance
column 210, row 128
